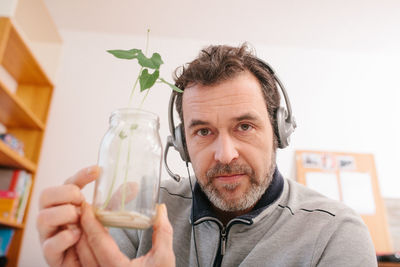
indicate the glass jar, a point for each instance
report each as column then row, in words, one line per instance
column 130, row 156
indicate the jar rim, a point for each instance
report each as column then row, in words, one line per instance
column 135, row 111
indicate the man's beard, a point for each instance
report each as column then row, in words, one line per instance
column 256, row 189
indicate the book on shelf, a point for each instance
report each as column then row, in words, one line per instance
column 8, row 205
column 23, row 196
column 13, row 142
column 8, row 179
column 8, row 197
column 3, row 128
column 6, row 235
column 15, row 188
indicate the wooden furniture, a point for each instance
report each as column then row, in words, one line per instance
column 393, row 212
column 388, row 264
column 23, row 112
column 362, row 163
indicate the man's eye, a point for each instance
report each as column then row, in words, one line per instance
column 245, row 127
column 203, row 132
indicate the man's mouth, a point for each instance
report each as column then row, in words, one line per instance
column 231, row 177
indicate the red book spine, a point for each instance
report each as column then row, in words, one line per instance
column 14, row 180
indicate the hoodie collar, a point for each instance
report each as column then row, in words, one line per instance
column 202, row 206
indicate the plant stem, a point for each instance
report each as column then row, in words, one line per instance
column 114, row 178
column 147, row 42
column 141, row 104
column 140, row 72
column 134, row 86
column 130, row 135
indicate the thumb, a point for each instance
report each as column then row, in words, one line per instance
column 162, row 249
column 104, row 248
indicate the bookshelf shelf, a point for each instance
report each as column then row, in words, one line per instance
column 24, row 113
column 22, row 65
column 12, row 224
column 15, row 113
column 10, row 158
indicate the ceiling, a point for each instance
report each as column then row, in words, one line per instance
column 340, row 24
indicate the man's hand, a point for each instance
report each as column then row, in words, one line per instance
column 107, row 253
column 58, row 219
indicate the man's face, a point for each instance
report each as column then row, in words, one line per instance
column 230, row 141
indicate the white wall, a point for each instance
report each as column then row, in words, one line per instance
column 7, row 7
column 343, row 101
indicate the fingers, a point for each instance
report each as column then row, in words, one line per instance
column 131, row 191
column 101, row 243
column 163, row 233
column 70, row 192
column 59, row 215
column 161, row 253
column 71, row 259
column 84, row 176
column 61, row 195
column 85, row 254
column 49, row 220
column 55, row 246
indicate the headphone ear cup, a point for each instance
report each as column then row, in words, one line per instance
column 285, row 129
column 180, row 143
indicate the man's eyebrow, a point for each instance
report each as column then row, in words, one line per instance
column 243, row 117
column 246, row 116
column 194, row 123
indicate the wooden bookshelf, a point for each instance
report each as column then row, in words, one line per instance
column 12, row 159
column 12, row 224
column 15, row 113
column 388, row 264
column 24, row 113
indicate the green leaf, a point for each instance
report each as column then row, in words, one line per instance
column 153, row 63
column 147, row 80
column 125, row 54
column 173, row 87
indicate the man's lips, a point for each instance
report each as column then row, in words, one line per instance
column 229, row 177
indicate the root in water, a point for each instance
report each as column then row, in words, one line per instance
column 124, row 219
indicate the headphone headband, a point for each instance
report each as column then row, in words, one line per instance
column 171, row 114
column 290, row 118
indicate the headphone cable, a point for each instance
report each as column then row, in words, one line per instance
column 194, row 233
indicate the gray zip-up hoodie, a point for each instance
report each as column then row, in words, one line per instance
column 290, row 225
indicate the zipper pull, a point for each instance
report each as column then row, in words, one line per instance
column 223, row 241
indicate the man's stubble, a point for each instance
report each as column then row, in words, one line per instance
column 249, row 198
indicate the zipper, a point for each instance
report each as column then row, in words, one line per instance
column 223, row 240
column 223, row 234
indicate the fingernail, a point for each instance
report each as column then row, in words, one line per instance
column 86, row 209
column 163, row 208
column 92, row 171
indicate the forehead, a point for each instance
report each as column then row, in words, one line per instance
column 231, row 98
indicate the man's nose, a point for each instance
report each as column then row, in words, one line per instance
column 225, row 149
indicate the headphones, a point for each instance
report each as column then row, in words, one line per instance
column 285, row 124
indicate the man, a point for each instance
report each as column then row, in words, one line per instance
column 244, row 212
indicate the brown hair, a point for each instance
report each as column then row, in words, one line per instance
column 218, row 63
